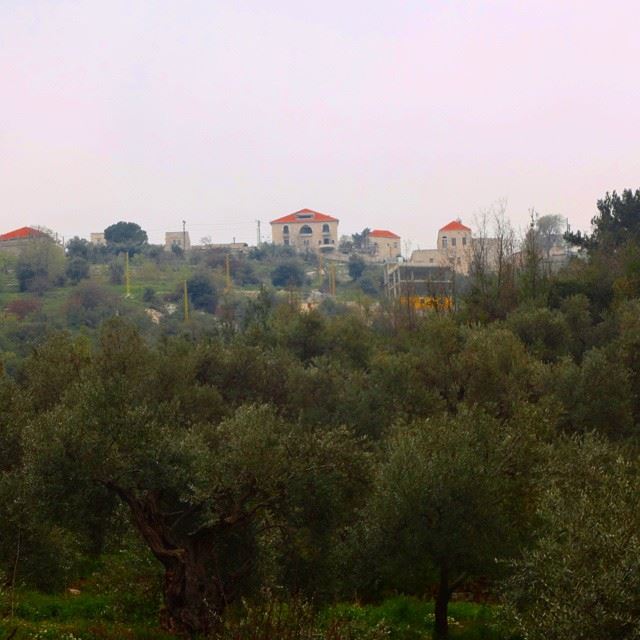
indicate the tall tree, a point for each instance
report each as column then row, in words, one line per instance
column 123, row 236
column 617, row 222
column 449, row 499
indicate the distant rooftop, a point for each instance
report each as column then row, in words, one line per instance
column 305, row 215
column 455, row 225
column 383, row 233
column 22, row 234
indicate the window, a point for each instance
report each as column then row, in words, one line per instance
column 327, row 240
column 464, row 241
column 306, row 230
column 431, row 260
column 286, row 240
column 458, row 260
column 444, row 242
column 325, row 228
column 285, row 229
column 453, row 242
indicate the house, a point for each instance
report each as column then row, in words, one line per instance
column 306, row 230
column 454, row 249
column 98, row 239
column 179, row 239
column 14, row 240
column 384, row 244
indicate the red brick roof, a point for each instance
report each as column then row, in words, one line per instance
column 314, row 217
column 383, row 233
column 455, row 225
column 22, row 233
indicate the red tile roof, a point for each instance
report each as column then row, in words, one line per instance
column 383, row 233
column 22, row 233
column 455, row 225
column 314, row 217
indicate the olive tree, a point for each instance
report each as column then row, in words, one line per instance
column 220, row 504
column 449, row 498
column 582, row 578
column 40, row 265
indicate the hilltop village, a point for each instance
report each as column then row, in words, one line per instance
column 307, row 254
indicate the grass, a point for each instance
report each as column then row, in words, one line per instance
column 94, row 616
column 406, row 618
column 86, row 616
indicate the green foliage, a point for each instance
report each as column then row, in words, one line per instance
column 116, row 271
column 202, row 293
column 617, row 221
column 356, row 266
column 446, row 504
column 288, row 274
column 40, row 265
column 581, row 579
column 125, row 427
column 125, row 236
column 79, row 248
column 544, row 332
column 77, row 269
column 368, row 286
column 345, row 450
column 89, row 304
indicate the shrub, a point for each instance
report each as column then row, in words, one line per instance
column 22, row 307
column 77, row 269
column 202, row 293
column 288, row 274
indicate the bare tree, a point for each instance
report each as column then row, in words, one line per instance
column 532, row 255
column 503, row 250
column 479, row 263
column 549, row 229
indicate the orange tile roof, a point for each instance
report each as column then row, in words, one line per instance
column 455, row 225
column 315, row 217
column 22, row 233
column 383, row 233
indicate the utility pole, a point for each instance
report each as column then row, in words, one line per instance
column 332, row 280
column 186, row 302
column 127, row 278
column 184, row 236
column 259, row 234
column 227, row 262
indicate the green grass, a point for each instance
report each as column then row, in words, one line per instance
column 87, row 616
column 93, row 616
column 406, row 618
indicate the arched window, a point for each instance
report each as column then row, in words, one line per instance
column 325, row 228
column 285, row 229
column 306, row 230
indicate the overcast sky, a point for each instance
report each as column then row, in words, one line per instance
column 390, row 114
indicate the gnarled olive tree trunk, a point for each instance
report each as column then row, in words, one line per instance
column 195, row 595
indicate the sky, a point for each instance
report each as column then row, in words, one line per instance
column 384, row 114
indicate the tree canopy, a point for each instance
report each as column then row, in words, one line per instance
column 123, row 235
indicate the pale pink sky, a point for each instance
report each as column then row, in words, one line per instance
column 399, row 115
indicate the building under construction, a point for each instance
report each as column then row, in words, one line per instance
column 420, row 287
